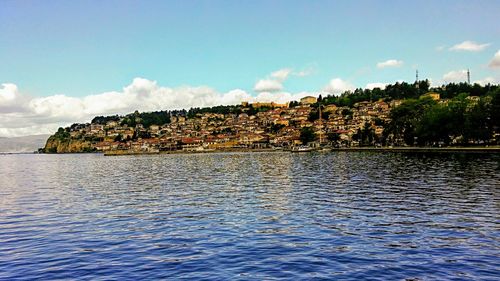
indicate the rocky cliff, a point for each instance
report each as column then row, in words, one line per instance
column 56, row 144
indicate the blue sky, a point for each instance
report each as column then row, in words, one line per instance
column 66, row 61
column 79, row 48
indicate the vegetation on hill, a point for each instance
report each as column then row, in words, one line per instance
column 147, row 118
column 405, row 90
column 460, row 120
column 220, row 109
column 105, row 119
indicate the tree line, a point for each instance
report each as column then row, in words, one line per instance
column 463, row 119
column 404, row 90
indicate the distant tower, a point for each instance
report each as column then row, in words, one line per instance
column 416, row 79
column 321, row 126
column 468, row 76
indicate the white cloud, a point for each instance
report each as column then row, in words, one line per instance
column 274, row 82
column 495, row 61
column 470, row 46
column 36, row 129
column 305, row 72
column 390, row 63
column 10, row 99
column 268, row 85
column 487, row 80
column 8, row 92
column 282, row 74
column 23, row 115
column 279, row 97
column 372, row 86
column 455, row 76
column 338, row 86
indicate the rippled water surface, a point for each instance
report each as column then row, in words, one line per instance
column 250, row 216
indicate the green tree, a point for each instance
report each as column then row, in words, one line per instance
column 307, row 135
column 62, row 134
column 433, row 127
column 494, row 109
column 405, row 119
column 367, row 135
column 346, row 112
column 333, row 137
column 275, row 128
column 477, row 126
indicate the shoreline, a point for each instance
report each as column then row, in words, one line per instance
column 124, row 152
column 462, row 149
column 491, row 149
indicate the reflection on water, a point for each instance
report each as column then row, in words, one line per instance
column 250, row 216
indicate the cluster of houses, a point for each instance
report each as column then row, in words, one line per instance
column 275, row 125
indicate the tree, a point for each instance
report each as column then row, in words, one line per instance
column 333, row 137
column 476, row 125
column 62, row 134
column 432, row 126
column 405, row 119
column 357, row 136
column 307, row 135
column 143, row 134
column 494, row 110
column 314, row 114
column 367, row 134
column 104, row 119
column 275, row 128
column 346, row 112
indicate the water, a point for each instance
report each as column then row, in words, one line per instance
column 348, row 216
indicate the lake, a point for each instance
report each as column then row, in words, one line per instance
column 250, row 216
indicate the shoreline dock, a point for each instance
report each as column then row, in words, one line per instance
column 494, row 149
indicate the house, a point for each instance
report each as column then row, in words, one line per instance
column 282, row 121
column 189, row 144
column 395, row 103
column 308, row 100
column 330, row 108
column 95, row 128
column 432, row 95
column 111, row 124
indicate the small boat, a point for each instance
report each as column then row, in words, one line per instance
column 302, row 148
column 325, row 149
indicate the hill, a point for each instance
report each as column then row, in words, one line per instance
column 22, row 144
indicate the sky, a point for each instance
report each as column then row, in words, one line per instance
column 66, row 61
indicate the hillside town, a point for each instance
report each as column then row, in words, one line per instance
column 402, row 114
column 271, row 125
